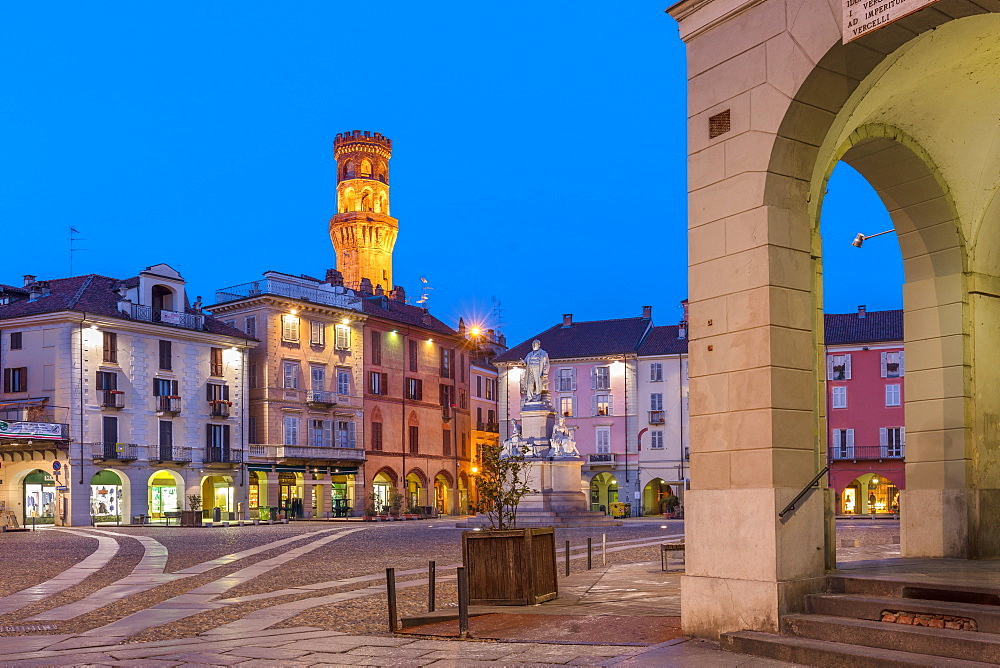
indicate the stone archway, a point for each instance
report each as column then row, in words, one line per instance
column 775, row 100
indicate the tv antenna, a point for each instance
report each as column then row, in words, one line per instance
column 424, row 295
column 497, row 315
column 72, row 246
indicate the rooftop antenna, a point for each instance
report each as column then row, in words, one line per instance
column 72, row 246
column 497, row 315
column 424, row 296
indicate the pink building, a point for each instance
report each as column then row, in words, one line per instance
column 866, row 433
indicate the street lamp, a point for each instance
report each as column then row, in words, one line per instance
column 861, row 238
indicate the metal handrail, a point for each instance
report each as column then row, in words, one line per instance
column 791, row 506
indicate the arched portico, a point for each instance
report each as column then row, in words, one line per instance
column 775, row 101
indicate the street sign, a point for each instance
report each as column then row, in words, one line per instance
column 56, row 465
column 62, row 488
column 863, row 16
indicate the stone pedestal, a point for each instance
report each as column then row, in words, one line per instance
column 536, row 427
column 558, row 485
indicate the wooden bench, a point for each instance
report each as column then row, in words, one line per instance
column 666, row 549
column 172, row 514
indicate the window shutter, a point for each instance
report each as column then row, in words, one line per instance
column 208, row 436
column 572, row 376
column 173, row 388
column 884, row 374
column 225, row 436
column 883, row 437
column 847, row 367
column 156, row 385
column 385, row 384
column 611, row 404
column 593, row 380
column 593, row 400
column 328, row 433
column 829, row 367
column 574, row 407
column 902, row 435
column 850, row 438
column 225, row 392
column 208, row 392
column 836, row 438
column 901, row 363
column 352, row 435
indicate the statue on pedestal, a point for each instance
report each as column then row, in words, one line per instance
column 562, row 443
column 536, row 373
column 514, row 444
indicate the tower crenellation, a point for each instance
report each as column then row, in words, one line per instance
column 362, row 231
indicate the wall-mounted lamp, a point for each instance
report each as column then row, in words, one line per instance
column 861, row 238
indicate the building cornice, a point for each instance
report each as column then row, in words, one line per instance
column 696, row 17
column 284, row 304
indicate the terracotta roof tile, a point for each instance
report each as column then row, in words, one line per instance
column 406, row 314
column 844, row 328
column 663, row 340
column 585, row 339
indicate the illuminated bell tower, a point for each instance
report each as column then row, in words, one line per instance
column 363, row 233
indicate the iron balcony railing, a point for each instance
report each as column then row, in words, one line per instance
column 867, row 452
column 114, row 399
column 168, row 404
column 163, row 316
column 117, row 451
column 313, row 452
column 488, row 426
column 168, row 453
column 220, row 408
column 223, row 456
column 602, row 458
column 321, row 397
column 657, row 417
column 271, row 286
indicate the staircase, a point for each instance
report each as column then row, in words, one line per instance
column 875, row 621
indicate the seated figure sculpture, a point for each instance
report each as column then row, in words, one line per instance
column 514, row 444
column 562, row 442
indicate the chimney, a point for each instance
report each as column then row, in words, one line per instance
column 334, row 277
column 28, row 279
column 647, row 312
column 366, row 286
column 379, row 292
column 862, row 312
column 567, row 320
column 398, row 294
column 38, row 289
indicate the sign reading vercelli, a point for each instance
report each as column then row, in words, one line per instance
column 863, row 16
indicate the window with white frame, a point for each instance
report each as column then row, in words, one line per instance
column 892, row 365
column 656, row 371
column 291, row 375
column 567, row 406
column 838, row 367
column 317, row 333
column 290, row 327
column 567, row 380
column 656, row 401
column 345, row 434
column 602, row 440
column 491, row 388
column 843, row 444
column 839, row 397
column 343, row 341
column 891, row 441
column 250, row 326
column 656, row 439
column 291, row 435
column 317, row 378
column 603, row 404
column 600, row 378
column 892, row 395
column 343, row 381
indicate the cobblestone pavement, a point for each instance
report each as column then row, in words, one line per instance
column 306, row 593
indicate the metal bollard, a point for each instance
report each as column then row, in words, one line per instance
column 567, row 558
column 431, row 571
column 390, row 590
column 590, row 553
column 463, row 603
column 604, row 549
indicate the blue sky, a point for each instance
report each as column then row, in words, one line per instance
column 539, row 149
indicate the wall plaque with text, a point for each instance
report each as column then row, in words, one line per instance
column 863, row 16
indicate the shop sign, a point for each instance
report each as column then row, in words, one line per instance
column 41, row 430
column 172, row 317
column 62, row 488
column 863, row 16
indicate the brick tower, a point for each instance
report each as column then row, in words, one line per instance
column 362, row 231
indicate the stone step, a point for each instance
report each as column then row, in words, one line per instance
column 925, row 589
column 987, row 617
column 810, row 652
column 964, row 645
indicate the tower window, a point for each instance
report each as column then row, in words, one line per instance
column 366, row 169
column 349, row 169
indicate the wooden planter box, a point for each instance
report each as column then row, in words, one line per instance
column 190, row 518
column 514, row 567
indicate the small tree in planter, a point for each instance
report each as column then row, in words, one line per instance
column 507, row 565
column 192, row 516
column 395, row 502
column 374, row 505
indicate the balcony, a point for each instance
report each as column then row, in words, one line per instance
column 856, row 452
column 657, row 417
column 219, row 408
column 168, row 405
column 257, row 450
column 112, row 399
column 328, row 295
column 321, row 399
column 26, row 432
column 165, row 317
column 488, row 426
column 313, row 452
column 121, row 452
column 601, row 458
column 223, row 456
column 166, row 453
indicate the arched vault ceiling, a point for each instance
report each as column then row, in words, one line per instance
column 943, row 90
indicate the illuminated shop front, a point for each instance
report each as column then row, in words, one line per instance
column 870, row 494
column 106, row 495
column 164, row 494
column 40, row 496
